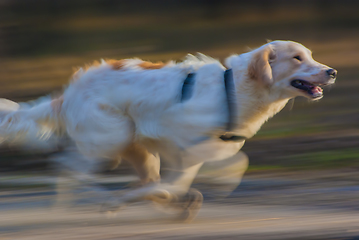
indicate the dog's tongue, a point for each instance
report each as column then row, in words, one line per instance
column 316, row 89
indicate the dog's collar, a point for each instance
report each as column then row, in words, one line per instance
column 232, row 108
column 231, row 99
column 187, row 90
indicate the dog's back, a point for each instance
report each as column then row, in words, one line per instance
column 106, row 107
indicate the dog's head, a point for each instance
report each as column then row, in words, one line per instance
column 288, row 69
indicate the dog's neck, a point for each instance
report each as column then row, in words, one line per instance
column 253, row 111
column 254, row 106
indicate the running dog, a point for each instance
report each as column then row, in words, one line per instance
column 188, row 113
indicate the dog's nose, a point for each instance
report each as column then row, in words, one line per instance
column 332, row 73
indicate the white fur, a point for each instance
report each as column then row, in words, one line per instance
column 105, row 110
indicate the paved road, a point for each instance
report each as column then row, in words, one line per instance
column 264, row 207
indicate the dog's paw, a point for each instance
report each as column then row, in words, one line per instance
column 111, row 214
column 111, row 206
column 190, row 205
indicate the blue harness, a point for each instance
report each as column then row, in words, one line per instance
column 187, row 91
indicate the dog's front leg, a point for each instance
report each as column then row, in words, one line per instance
column 223, row 176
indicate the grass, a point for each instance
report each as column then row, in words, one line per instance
column 328, row 159
column 261, row 168
column 331, row 159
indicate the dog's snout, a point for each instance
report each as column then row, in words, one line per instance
column 332, row 73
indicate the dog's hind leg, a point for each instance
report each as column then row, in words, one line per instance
column 146, row 164
column 76, row 176
column 174, row 187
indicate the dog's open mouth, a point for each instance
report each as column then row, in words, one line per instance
column 313, row 90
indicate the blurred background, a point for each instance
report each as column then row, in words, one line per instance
column 42, row 41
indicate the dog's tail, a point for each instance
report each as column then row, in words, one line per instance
column 40, row 119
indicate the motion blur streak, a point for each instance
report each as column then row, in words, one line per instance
column 302, row 181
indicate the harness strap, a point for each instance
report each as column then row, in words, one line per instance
column 187, row 90
column 231, row 99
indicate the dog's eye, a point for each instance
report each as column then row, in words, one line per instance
column 298, row 58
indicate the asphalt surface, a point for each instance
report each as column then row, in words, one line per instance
column 304, row 206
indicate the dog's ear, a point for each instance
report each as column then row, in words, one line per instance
column 259, row 68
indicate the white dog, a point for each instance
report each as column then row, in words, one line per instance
column 188, row 113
